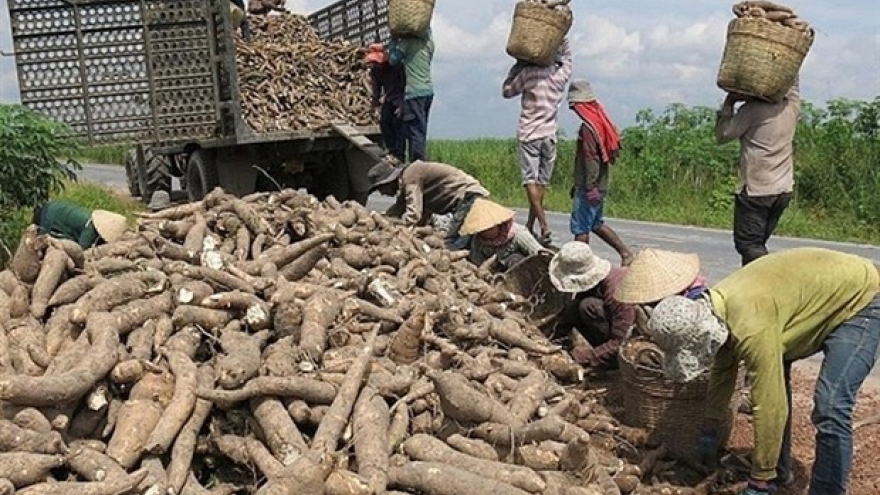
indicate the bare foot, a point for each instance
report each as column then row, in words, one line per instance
column 626, row 258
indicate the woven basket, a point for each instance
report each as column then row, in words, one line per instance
column 762, row 58
column 530, row 278
column 673, row 413
column 537, row 32
column 409, row 17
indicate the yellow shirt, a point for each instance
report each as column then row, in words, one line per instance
column 781, row 308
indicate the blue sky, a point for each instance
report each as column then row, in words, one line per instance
column 637, row 54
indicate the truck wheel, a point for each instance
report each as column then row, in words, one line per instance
column 155, row 176
column 201, row 175
column 131, row 175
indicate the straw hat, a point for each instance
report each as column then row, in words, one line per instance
column 655, row 274
column 384, row 172
column 580, row 91
column 484, row 215
column 576, row 269
column 110, row 226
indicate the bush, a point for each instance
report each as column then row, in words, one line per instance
column 671, row 170
column 35, row 157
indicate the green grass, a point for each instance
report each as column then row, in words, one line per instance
column 107, row 155
column 91, row 196
column 494, row 163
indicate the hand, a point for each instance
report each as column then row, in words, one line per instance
column 594, row 196
column 707, row 447
column 582, row 354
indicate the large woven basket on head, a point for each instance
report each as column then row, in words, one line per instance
column 673, row 413
column 762, row 58
column 409, row 17
column 530, row 278
column 537, row 31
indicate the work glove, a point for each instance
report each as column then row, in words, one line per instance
column 707, row 448
column 594, row 196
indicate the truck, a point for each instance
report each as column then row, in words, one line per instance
column 161, row 76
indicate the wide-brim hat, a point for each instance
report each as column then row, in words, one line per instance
column 110, row 226
column 580, row 91
column 689, row 334
column 576, row 269
column 655, row 274
column 384, row 172
column 160, row 200
column 483, row 215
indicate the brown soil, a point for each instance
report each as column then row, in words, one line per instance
column 865, row 476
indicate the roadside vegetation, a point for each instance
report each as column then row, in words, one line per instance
column 671, row 170
column 36, row 164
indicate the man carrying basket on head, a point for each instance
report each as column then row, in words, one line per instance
column 766, row 165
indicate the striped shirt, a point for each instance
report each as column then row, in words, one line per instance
column 542, row 90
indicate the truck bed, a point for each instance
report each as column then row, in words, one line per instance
column 157, row 73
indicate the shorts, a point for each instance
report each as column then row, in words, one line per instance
column 536, row 161
column 585, row 217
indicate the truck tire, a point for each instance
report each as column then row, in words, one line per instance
column 156, row 175
column 131, row 175
column 201, row 175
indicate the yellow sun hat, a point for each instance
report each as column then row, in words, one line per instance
column 484, row 215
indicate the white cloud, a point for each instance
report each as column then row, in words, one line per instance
column 637, row 54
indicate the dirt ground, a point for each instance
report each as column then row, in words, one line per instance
column 865, row 476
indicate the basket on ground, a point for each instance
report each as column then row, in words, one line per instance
column 673, row 413
column 409, row 17
column 537, row 32
column 762, row 58
column 530, row 278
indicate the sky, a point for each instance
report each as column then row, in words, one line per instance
column 637, row 54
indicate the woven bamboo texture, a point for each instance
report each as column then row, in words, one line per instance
column 530, row 278
column 673, row 413
column 537, row 32
column 409, row 17
column 762, row 58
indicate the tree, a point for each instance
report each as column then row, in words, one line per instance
column 36, row 155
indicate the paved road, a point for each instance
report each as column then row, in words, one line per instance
column 715, row 247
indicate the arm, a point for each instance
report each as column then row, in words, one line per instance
column 730, row 125
column 377, row 87
column 513, row 84
column 722, row 382
column 564, row 73
column 623, row 317
column 414, row 204
column 87, row 237
column 763, row 358
column 526, row 242
column 396, row 53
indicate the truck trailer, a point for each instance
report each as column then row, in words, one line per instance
column 161, row 75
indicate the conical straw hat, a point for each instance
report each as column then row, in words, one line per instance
column 110, row 226
column 655, row 274
column 484, row 215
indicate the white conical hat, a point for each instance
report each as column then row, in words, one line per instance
column 110, row 226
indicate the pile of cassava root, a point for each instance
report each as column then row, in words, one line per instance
column 276, row 345
column 292, row 80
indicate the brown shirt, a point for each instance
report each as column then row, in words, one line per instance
column 432, row 188
column 766, row 134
